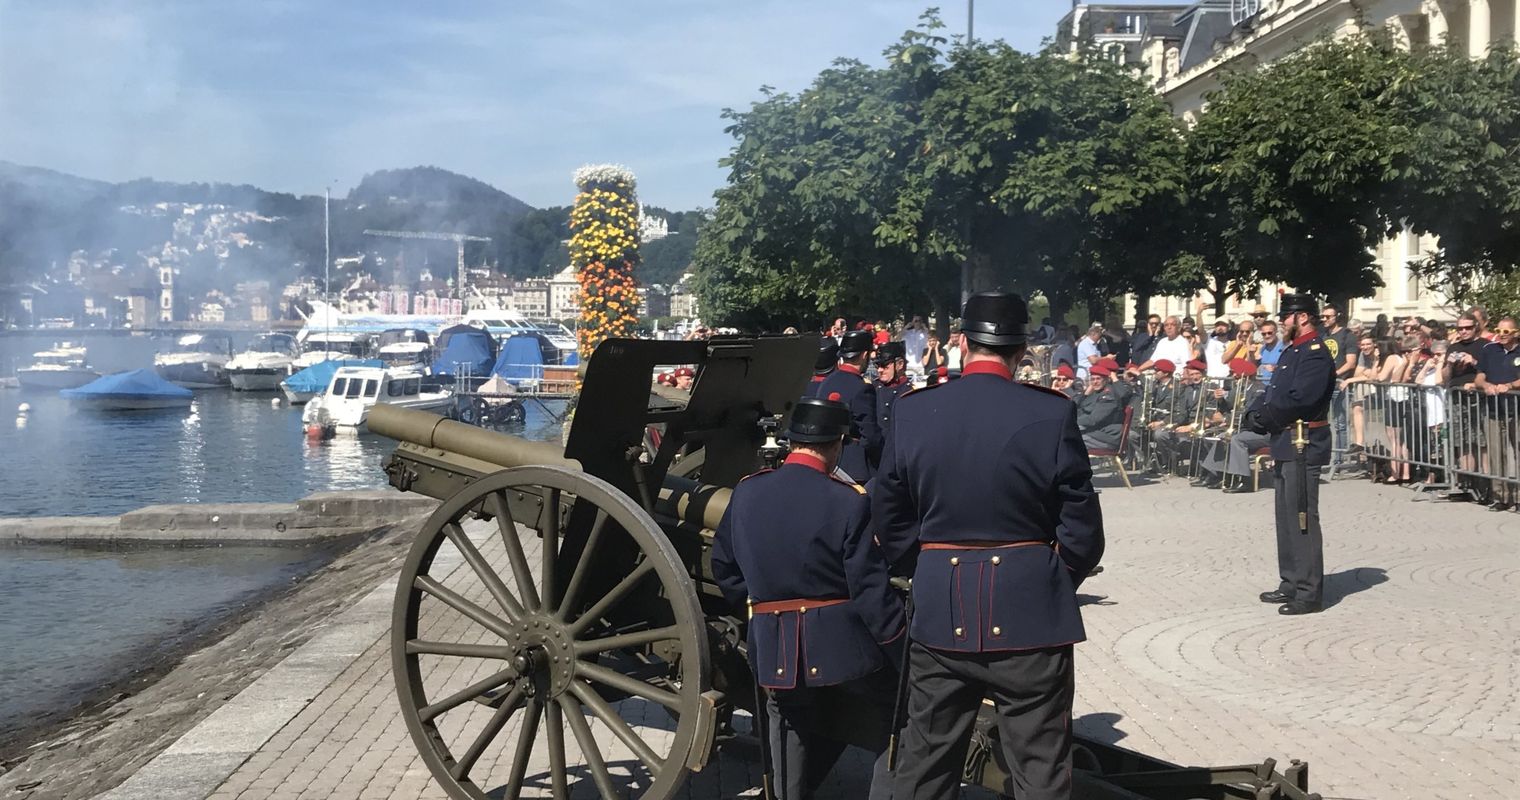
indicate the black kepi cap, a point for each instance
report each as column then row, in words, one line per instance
column 816, row 421
column 1294, row 303
column 995, row 319
column 828, row 356
column 854, row 343
column 889, row 352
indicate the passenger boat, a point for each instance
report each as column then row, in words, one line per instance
column 265, row 363
column 197, row 361
column 63, row 367
column 312, row 381
column 355, row 390
column 135, row 390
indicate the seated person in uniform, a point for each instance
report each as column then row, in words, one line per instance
column 796, row 546
column 1100, row 410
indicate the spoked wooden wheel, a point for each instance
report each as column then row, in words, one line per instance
column 541, row 599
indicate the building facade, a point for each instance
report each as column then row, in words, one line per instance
column 1187, row 55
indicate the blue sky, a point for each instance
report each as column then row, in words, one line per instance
column 293, row 96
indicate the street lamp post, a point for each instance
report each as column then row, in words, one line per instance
column 966, row 264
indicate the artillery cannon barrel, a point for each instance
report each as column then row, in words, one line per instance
column 679, row 498
column 430, row 430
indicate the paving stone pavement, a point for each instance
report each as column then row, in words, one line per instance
column 1405, row 687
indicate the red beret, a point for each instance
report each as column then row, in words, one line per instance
column 1101, row 369
column 1110, row 361
column 684, row 372
column 1165, row 366
column 1065, row 370
column 1198, row 364
column 1241, row 366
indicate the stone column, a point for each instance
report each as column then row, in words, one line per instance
column 1436, row 21
column 1477, row 28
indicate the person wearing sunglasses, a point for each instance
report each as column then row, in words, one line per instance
column 1467, row 429
column 1499, row 379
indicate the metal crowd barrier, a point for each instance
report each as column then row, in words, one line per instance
column 1482, row 444
column 1404, row 431
column 1442, row 438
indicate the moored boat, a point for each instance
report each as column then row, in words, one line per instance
column 265, row 363
column 355, row 390
column 134, row 390
column 307, row 383
column 197, row 361
column 63, row 367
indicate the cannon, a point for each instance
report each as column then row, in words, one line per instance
column 569, row 589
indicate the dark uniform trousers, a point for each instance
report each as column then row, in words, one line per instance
column 802, row 755
column 1031, row 693
column 1299, row 394
column 1300, row 556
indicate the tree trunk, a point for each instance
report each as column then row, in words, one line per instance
column 1142, row 306
column 941, row 307
column 1221, row 286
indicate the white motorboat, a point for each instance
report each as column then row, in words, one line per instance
column 197, row 361
column 63, row 367
column 265, row 363
column 355, row 390
column 405, row 347
column 318, row 346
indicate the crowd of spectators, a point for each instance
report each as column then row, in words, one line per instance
column 1395, row 416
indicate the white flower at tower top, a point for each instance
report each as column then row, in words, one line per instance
column 604, row 175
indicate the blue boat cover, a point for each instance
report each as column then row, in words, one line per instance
column 574, row 359
column 315, row 378
column 522, row 359
column 133, row 383
column 468, row 345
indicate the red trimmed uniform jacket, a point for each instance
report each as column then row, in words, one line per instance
column 792, row 537
column 987, row 483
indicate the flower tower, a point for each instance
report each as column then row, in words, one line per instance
column 604, row 249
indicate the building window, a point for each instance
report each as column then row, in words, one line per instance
column 1114, row 52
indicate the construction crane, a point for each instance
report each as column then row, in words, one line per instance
column 457, row 238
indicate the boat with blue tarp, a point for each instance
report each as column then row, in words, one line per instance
column 134, row 390
column 313, row 380
column 466, row 355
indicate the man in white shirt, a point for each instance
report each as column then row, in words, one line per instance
column 1088, row 351
column 1213, row 350
column 1173, row 346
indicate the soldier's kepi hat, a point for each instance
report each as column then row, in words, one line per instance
column 855, row 343
column 995, row 319
column 828, row 355
column 1294, row 303
column 815, row 420
column 889, row 352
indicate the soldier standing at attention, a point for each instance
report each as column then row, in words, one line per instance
column 1292, row 411
column 862, row 448
column 891, row 380
column 987, row 482
column 795, row 545
column 823, row 366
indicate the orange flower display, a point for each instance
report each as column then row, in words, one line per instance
column 604, row 249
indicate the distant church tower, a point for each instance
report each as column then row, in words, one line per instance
column 165, row 293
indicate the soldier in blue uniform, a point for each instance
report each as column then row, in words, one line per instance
column 891, row 380
column 823, row 366
column 986, row 482
column 862, row 448
column 1292, row 411
column 796, row 546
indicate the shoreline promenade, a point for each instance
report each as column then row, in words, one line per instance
column 1407, row 686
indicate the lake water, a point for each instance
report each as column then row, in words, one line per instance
column 70, row 618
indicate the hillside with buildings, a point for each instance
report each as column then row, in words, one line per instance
column 144, row 252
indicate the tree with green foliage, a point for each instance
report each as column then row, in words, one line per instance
column 866, row 192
